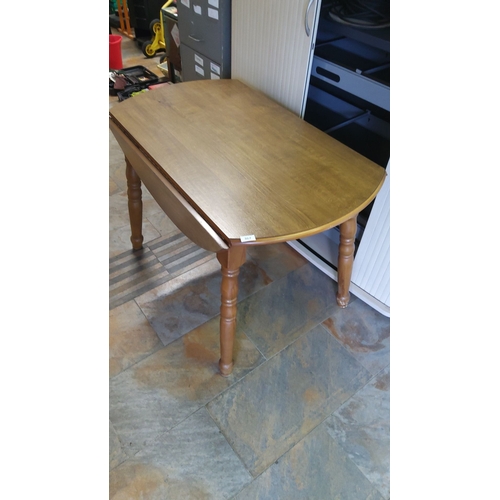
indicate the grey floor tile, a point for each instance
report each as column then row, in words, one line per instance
column 117, row 454
column 316, row 468
column 278, row 314
column 161, row 223
column 113, row 187
column 134, row 480
column 362, row 427
column 131, row 337
column 173, row 315
column 117, row 164
column 119, row 237
column 276, row 260
column 118, row 210
column 160, row 391
column 283, row 399
column 174, row 309
column 364, row 332
column 134, row 273
column 197, row 460
column 179, row 306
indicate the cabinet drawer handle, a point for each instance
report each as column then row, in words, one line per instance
column 306, row 20
column 328, row 74
column 194, row 38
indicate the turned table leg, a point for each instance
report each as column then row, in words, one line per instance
column 134, row 205
column 346, row 258
column 230, row 261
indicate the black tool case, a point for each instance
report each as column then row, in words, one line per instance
column 136, row 78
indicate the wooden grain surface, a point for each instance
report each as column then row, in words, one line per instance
column 180, row 212
column 247, row 165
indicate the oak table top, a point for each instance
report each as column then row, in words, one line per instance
column 231, row 167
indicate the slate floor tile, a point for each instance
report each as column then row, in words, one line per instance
column 133, row 480
column 160, row 391
column 362, row 427
column 180, row 305
column 173, row 307
column 118, row 209
column 131, row 337
column 313, row 376
column 316, row 468
column 197, row 461
column 276, row 260
column 117, row 454
column 117, row 163
column 119, row 237
column 364, row 332
column 113, row 187
column 161, row 223
column 278, row 314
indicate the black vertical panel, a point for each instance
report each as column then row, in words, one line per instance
column 141, row 13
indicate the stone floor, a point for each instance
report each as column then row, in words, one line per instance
column 305, row 413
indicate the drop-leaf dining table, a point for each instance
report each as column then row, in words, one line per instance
column 231, row 168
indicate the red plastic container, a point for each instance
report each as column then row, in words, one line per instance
column 115, row 52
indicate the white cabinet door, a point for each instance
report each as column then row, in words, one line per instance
column 271, row 49
column 371, row 269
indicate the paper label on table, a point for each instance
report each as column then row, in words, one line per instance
column 197, row 9
column 214, row 3
column 175, row 35
column 215, row 68
column 185, row 2
column 249, row 237
column 213, row 13
column 199, row 70
column 198, row 60
column 213, row 76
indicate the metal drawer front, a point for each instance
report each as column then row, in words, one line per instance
column 351, row 82
column 196, row 66
column 205, row 28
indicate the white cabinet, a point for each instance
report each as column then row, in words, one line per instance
column 271, row 50
column 336, row 78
